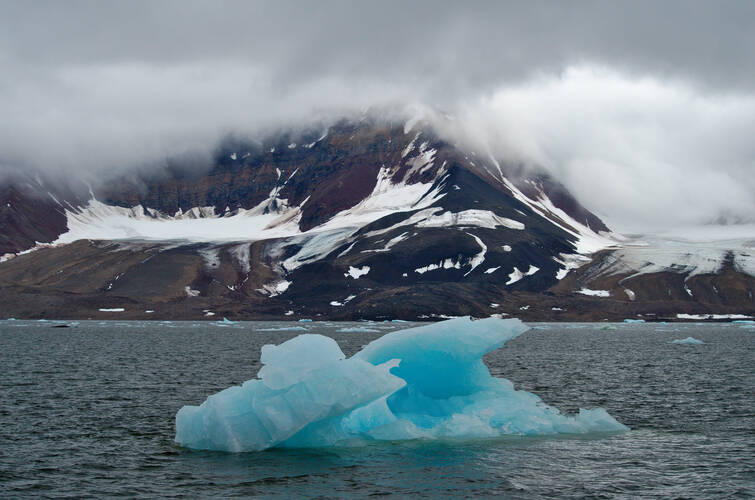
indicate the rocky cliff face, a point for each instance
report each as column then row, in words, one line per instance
column 32, row 210
column 367, row 219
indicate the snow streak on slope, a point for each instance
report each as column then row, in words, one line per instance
column 386, row 198
column 517, row 275
column 588, row 241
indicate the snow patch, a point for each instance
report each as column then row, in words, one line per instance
column 444, row 264
column 357, row 272
column 517, row 275
column 337, row 303
column 275, row 288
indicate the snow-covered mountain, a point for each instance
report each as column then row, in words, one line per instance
column 365, row 219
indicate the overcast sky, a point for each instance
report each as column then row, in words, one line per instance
column 645, row 110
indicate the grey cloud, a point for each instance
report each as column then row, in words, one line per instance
column 92, row 86
column 710, row 42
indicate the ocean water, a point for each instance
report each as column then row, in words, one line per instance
column 88, row 411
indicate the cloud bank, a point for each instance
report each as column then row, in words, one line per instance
column 644, row 110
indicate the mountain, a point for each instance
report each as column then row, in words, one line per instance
column 365, row 219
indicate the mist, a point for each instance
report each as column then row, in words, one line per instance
column 644, row 111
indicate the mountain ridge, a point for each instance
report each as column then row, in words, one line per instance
column 367, row 220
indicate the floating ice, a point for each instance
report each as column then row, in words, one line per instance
column 283, row 329
column 422, row 383
column 688, row 340
column 357, row 329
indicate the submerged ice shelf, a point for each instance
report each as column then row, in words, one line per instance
column 422, row 383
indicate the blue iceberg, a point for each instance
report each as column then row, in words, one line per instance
column 422, row 383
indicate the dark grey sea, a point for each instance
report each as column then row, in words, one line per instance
column 88, row 411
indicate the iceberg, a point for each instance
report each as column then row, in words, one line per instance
column 688, row 340
column 427, row 382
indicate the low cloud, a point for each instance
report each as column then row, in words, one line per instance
column 640, row 151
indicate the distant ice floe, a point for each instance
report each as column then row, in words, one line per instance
column 688, row 340
column 422, row 383
column 282, row 329
column 357, row 329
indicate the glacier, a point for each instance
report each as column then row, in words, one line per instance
column 427, row 382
